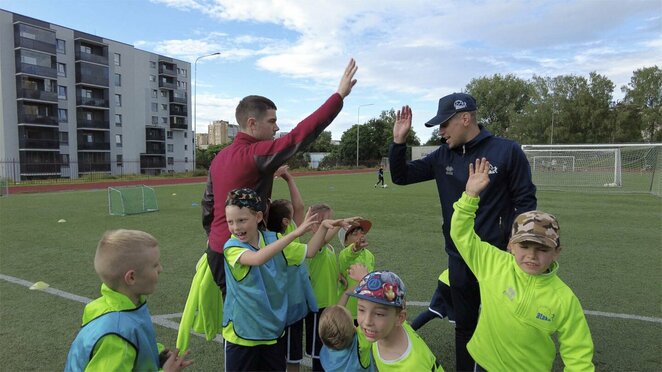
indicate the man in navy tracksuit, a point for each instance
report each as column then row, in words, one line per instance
column 510, row 193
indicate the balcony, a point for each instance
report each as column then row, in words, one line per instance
column 38, row 144
column 42, row 46
column 178, row 110
column 93, row 124
column 167, row 85
column 87, row 167
column 92, row 79
column 93, row 102
column 152, row 161
column 40, row 169
column 178, row 123
column 155, row 135
column 26, row 68
column 37, row 119
column 89, row 57
column 179, row 100
column 94, row 146
column 167, row 70
column 36, row 94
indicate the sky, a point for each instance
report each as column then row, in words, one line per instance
column 408, row 51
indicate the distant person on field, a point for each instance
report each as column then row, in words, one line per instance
column 253, row 157
column 380, row 177
column 382, row 315
column 510, row 193
column 524, row 303
column 117, row 332
column 355, row 251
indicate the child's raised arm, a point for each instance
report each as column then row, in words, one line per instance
column 295, row 196
column 478, row 177
column 256, row 258
column 319, row 239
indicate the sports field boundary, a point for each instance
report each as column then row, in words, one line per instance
column 75, row 186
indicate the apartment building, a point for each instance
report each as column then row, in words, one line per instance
column 220, row 132
column 73, row 103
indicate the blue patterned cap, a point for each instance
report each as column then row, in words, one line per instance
column 383, row 287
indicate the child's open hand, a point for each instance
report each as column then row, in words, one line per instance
column 357, row 271
column 478, row 177
column 309, row 220
column 175, row 362
column 282, row 171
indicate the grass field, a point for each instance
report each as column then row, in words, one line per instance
column 612, row 259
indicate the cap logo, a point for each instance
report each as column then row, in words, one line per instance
column 459, row 104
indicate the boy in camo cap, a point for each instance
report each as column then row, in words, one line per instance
column 524, row 302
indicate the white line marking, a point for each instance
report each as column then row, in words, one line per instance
column 164, row 320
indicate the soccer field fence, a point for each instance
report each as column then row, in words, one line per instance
column 622, row 167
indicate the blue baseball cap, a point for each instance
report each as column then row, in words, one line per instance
column 450, row 105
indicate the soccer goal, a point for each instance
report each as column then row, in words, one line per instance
column 4, row 187
column 127, row 200
column 626, row 167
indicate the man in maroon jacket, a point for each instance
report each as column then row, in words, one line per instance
column 253, row 157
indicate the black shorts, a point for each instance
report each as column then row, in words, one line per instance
column 217, row 267
column 254, row 358
column 294, row 342
column 442, row 303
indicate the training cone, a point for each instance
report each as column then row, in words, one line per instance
column 61, row 220
column 38, row 286
column 174, row 194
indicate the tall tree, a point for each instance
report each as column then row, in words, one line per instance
column 435, row 138
column 500, row 99
column 644, row 92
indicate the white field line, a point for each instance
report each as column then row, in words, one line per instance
column 164, row 320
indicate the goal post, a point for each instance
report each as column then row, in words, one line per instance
column 128, row 200
column 623, row 167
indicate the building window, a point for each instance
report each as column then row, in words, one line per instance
column 60, row 45
column 185, row 134
column 61, row 69
column 152, row 77
column 62, row 115
column 64, row 159
column 118, row 100
column 120, row 161
column 164, row 120
column 86, row 93
column 61, row 92
column 185, row 147
column 86, row 49
column 152, row 64
column 171, row 147
column 186, row 159
column 155, row 93
column 64, row 138
column 118, row 80
column 171, row 160
column 169, row 134
column 155, row 120
column 155, row 108
column 118, row 120
column 164, row 106
column 117, row 58
column 164, row 93
column 118, row 140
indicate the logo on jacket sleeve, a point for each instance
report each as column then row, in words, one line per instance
column 449, row 170
column 545, row 313
column 492, row 170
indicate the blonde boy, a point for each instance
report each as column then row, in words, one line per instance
column 345, row 347
column 117, row 332
column 355, row 251
column 382, row 318
column 524, row 302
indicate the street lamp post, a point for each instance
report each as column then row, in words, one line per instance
column 358, row 126
column 195, row 101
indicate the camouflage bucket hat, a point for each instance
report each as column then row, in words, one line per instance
column 536, row 226
column 383, row 287
column 246, row 198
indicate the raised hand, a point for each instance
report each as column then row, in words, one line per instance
column 309, row 220
column 478, row 177
column 357, row 271
column 402, row 125
column 282, row 171
column 347, row 81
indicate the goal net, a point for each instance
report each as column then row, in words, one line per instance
column 127, row 200
column 4, row 187
column 623, row 167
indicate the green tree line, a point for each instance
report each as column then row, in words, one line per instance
column 565, row 109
